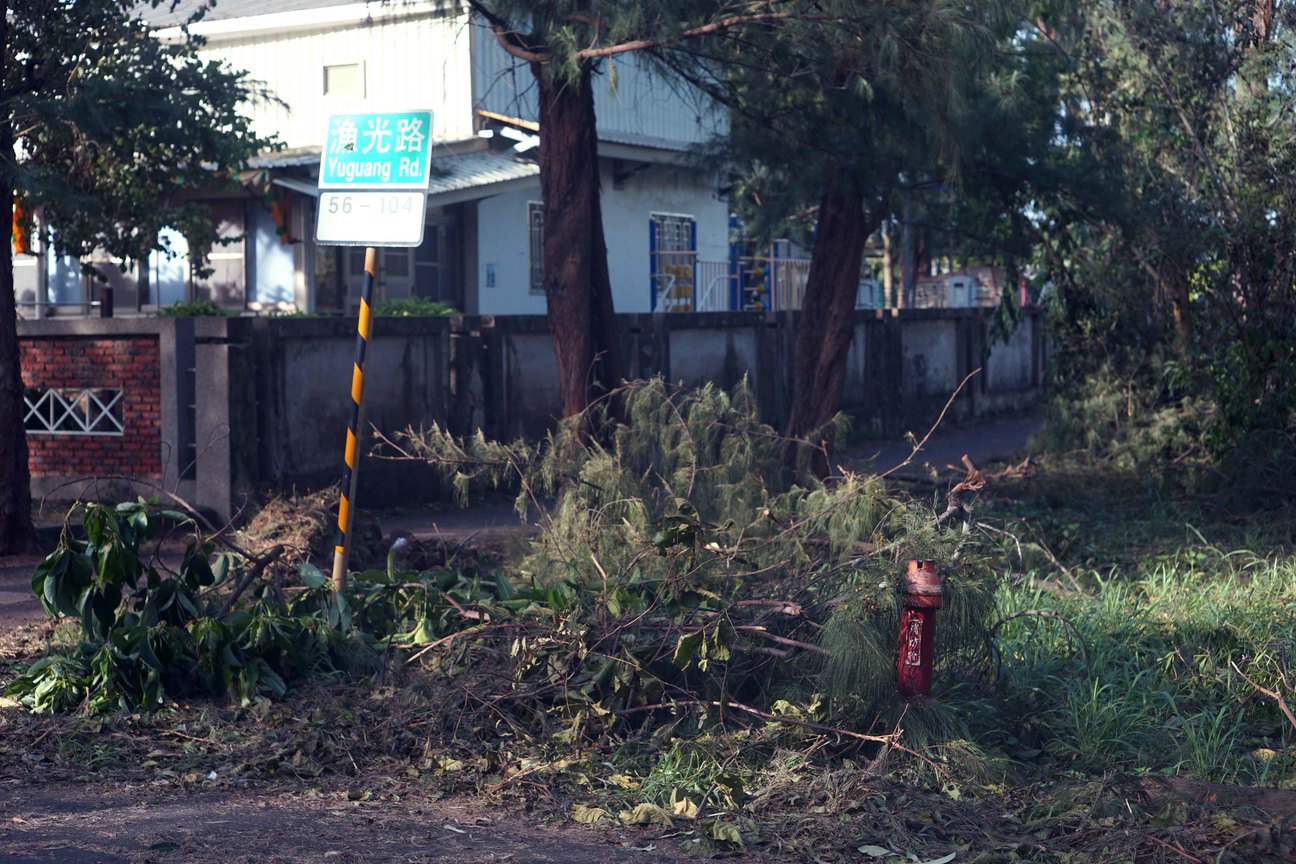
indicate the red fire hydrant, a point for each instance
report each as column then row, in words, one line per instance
column 920, row 597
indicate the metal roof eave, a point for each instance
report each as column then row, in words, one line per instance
column 613, row 144
column 310, row 15
column 441, row 199
column 644, row 153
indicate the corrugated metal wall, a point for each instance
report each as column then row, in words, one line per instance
column 417, row 62
column 424, row 61
column 629, row 99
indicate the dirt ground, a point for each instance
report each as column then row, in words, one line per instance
column 18, row 605
column 59, row 823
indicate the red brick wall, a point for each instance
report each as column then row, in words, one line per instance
column 130, row 364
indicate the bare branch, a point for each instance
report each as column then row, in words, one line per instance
column 695, row 32
column 948, row 403
column 509, row 39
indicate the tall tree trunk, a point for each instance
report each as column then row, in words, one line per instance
column 577, row 288
column 908, row 261
column 16, row 531
column 826, row 324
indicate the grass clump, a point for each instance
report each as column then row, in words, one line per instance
column 1163, row 684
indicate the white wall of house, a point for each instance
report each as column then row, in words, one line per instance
column 415, row 60
column 627, row 214
column 504, row 242
column 413, row 54
column 504, row 246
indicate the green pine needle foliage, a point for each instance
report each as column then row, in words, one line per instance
column 683, row 502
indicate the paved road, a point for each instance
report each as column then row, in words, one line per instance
column 990, row 441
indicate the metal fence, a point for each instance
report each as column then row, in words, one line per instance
column 715, row 286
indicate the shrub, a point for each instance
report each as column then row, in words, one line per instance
column 202, row 308
column 147, row 636
column 414, row 307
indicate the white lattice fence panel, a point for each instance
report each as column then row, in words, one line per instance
column 64, row 411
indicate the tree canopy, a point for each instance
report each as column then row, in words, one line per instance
column 836, row 118
column 103, row 130
column 1166, row 227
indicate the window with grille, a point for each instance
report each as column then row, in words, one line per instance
column 674, row 260
column 62, row 411
column 535, row 229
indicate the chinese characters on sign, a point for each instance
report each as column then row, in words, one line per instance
column 913, row 641
column 373, row 179
column 391, row 151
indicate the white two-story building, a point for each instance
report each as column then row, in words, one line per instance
column 665, row 220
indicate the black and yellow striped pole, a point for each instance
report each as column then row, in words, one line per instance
column 351, row 456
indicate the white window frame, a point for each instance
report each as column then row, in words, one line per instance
column 364, row 83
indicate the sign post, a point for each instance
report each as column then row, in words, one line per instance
column 373, row 192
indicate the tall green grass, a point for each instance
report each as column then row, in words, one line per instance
column 1156, row 687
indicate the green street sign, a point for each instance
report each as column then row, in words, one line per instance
column 377, row 151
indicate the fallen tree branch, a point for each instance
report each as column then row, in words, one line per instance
column 467, row 631
column 1277, row 697
column 974, row 482
column 254, row 572
column 782, row 640
column 891, row 739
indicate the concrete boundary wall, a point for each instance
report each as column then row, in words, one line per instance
column 251, row 404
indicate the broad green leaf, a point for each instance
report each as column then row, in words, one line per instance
column 687, row 648
column 311, row 576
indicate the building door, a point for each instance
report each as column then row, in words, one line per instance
column 436, row 274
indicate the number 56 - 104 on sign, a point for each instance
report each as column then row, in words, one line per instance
column 371, row 218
